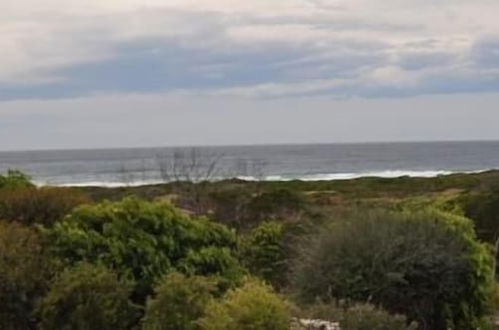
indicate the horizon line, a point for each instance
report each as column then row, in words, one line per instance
column 243, row 145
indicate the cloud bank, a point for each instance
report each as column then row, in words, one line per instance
column 257, row 49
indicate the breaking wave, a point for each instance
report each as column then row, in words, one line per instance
column 290, row 177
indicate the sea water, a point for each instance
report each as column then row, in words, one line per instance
column 116, row 167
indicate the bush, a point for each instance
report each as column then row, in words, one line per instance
column 25, row 271
column 254, row 306
column 213, row 260
column 483, row 209
column 425, row 265
column 39, row 205
column 359, row 317
column 87, row 297
column 15, row 179
column 179, row 301
column 264, row 252
column 144, row 240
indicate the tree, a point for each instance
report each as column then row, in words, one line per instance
column 426, row 265
column 188, row 171
column 143, row 241
column 25, row 271
column 178, row 302
column 254, row 306
column 87, row 297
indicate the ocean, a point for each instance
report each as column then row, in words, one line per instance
column 122, row 167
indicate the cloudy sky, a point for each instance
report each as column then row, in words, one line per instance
column 117, row 73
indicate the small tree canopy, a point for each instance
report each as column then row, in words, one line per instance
column 144, row 240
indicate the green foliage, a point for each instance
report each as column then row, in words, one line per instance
column 264, row 252
column 25, row 271
column 15, row 179
column 254, row 306
column 179, row 301
column 144, row 240
column 213, row 260
column 30, row 205
column 483, row 209
column 87, row 297
column 359, row 317
column 426, row 265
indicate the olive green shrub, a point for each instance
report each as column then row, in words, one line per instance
column 25, row 273
column 178, row 302
column 254, row 306
column 87, row 297
column 264, row 252
column 144, row 240
column 423, row 264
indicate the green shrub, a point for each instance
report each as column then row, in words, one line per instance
column 359, row 317
column 483, row 209
column 264, row 252
column 254, row 306
column 213, row 260
column 25, row 271
column 426, row 265
column 144, row 240
column 87, row 297
column 179, row 301
column 39, row 205
column 15, row 179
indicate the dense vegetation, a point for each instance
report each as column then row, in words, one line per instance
column 370, row 253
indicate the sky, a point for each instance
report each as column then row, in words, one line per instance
column 130, row 73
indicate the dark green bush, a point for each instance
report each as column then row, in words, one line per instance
column 179, row 301
column 39, row 205
column 25, row 272
column 87, row 297
column 212, row 260
column 145, row 240
column 483, row 209
column 254, row 306
column 264, row 252
column 426, row 265
column 15, row 179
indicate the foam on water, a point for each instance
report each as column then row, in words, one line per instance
column 311, row 177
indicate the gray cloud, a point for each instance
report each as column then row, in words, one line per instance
column 294, row 49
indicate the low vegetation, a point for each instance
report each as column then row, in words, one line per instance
column 387, row 254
